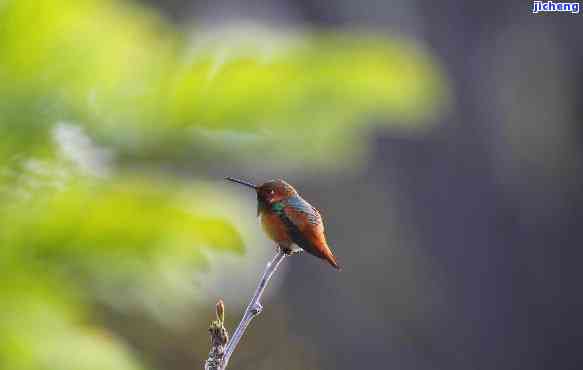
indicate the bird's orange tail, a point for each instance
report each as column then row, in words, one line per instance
column 332, row 261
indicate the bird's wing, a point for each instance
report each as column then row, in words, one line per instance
column 303, row 223
column 305, row 227
column 301, row 212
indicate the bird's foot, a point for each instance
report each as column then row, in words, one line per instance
column 291, row 250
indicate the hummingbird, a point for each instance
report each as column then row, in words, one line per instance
column 290, row 221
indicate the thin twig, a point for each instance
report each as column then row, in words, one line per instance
column 253, row 309
column 219, row 338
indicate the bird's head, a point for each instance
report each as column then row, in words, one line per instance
column 269, row 192
column 274, row 191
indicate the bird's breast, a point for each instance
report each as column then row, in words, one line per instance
column 275, row 228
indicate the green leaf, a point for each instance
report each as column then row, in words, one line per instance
column 249, row 93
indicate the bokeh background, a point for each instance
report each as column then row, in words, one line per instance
column 442, row 142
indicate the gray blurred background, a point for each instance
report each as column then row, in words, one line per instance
column 461, row 247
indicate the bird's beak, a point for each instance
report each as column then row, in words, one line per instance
column 241, row 182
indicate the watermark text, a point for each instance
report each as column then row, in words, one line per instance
column 551, row 7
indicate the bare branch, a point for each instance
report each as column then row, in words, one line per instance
column 219, row 361
column 219, row 337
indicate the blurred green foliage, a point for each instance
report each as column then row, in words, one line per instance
column 92, row 89
column 124, row 244
column 246, row 93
